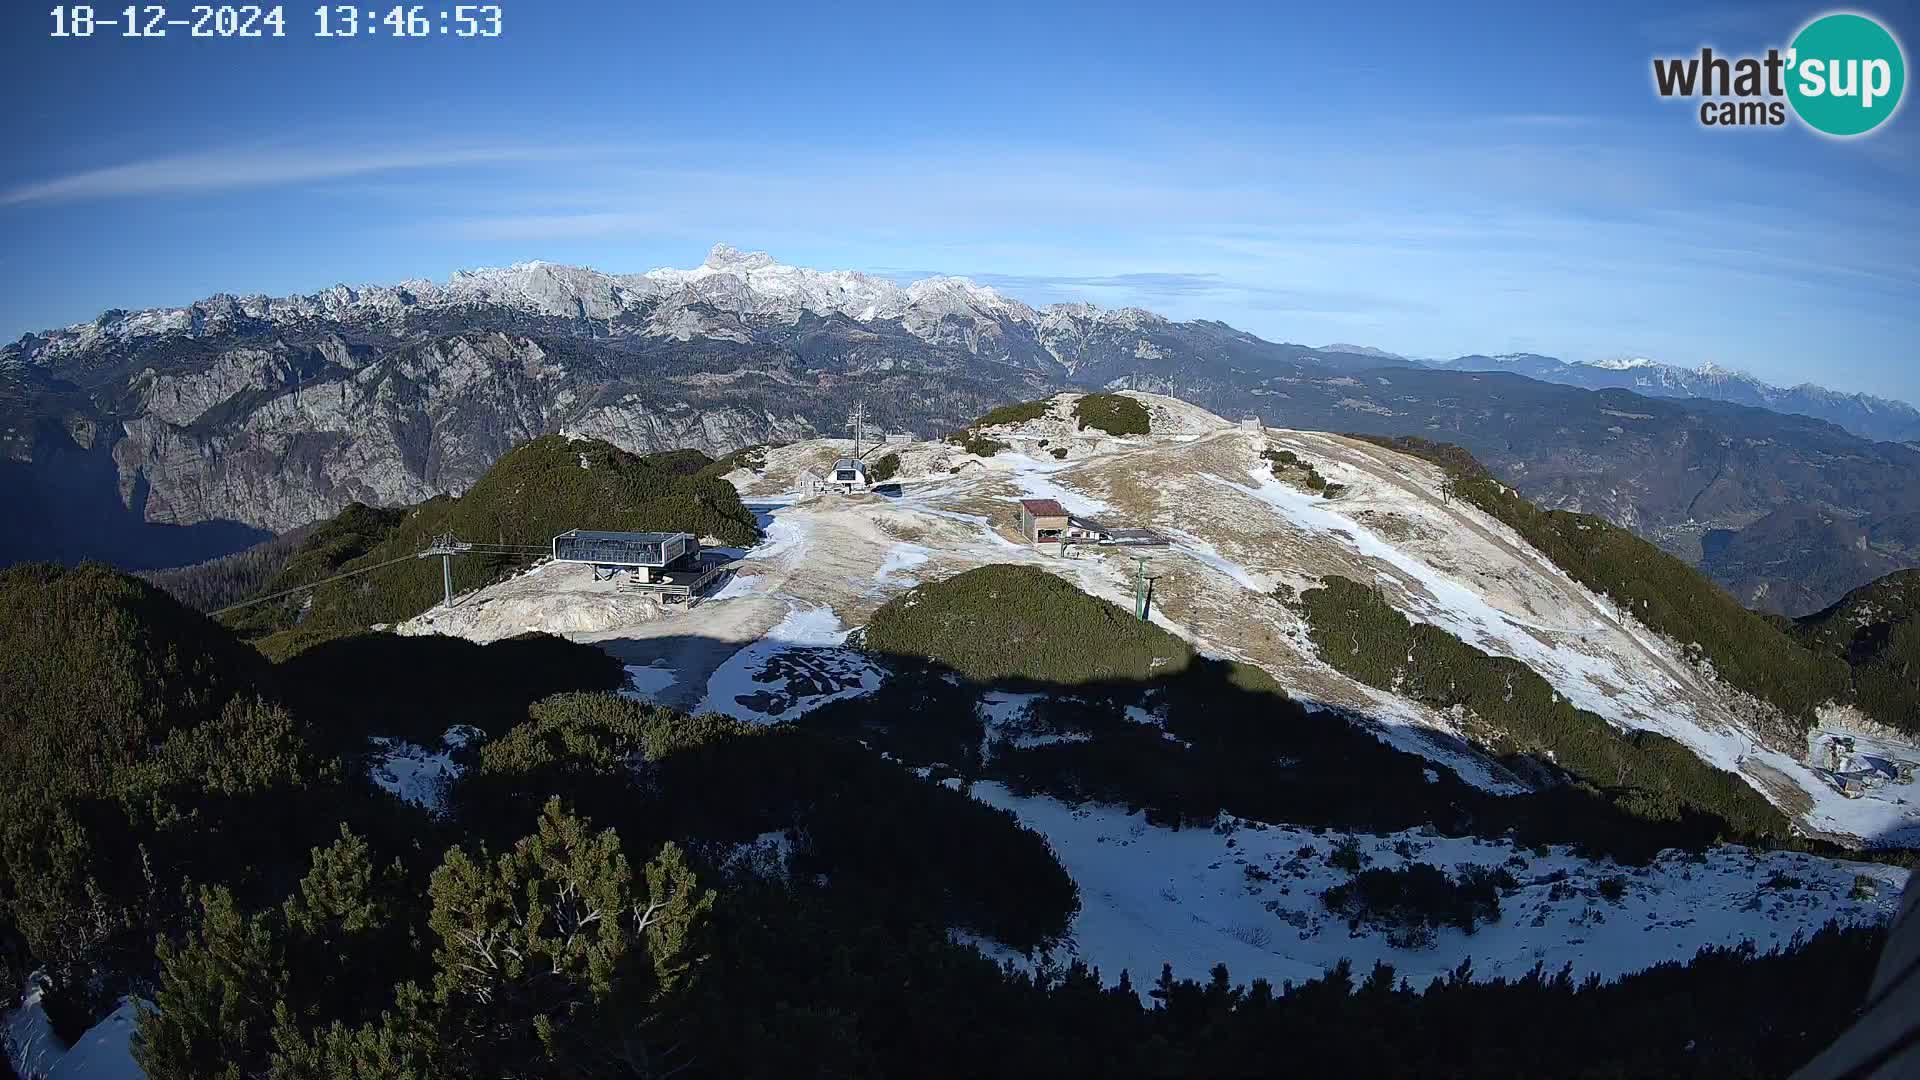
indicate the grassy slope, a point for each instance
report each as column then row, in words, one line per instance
column 1745, row 648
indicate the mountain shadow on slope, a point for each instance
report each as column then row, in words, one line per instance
column 98, row 666
column 1142, row 721
column 65, row 506
column 296, row 557
column 147, row 748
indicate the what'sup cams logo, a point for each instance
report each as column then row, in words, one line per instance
column 1842, row 76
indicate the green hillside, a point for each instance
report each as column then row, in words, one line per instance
column 539, row 489
column 1008, row 622
column 1875, row 629
column 97, row 665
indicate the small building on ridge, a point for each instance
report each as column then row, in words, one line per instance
column 1043, row 521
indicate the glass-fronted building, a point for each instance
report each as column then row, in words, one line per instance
column 654, row 550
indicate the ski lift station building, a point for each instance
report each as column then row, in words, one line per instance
column 850, row 475
column 668, row 565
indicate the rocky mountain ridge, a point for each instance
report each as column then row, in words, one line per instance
column 710, row 301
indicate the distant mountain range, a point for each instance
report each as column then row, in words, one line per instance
column 160, row 437
column 1863, row 414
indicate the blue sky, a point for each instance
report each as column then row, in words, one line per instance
column 1433, row 179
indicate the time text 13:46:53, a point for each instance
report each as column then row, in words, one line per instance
column 270, row 21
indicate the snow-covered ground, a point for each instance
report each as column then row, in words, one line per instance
column 1035, row 479
column 902, row 558
column 103, row 1052
column 416, row 774
column 1249, row 896
column 799, row 665
column 770, row 645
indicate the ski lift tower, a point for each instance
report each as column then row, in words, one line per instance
column 858, row 421
column 446, row 547
column 1142, row 589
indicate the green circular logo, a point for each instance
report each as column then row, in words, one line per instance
column 1845, row 74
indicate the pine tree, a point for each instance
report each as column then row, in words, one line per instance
column 405, row 1043
column 549, row 961
column 212, row 1014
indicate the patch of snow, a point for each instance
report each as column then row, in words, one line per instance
column 415, row 774
column 1206, row 553
column 1035, row 480
column 103, row 1052
column 646, row 683
column 903, row 556
column 1249, row 895
column 737, row 586
column 797, row 666
column 784, row 534
column 768, row 855
column 1631, row 698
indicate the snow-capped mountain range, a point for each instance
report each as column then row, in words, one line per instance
column 1863, row 414
column 712, row 300
column 734, row 293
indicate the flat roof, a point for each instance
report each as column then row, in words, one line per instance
column 629, row 537
column 1043, row 508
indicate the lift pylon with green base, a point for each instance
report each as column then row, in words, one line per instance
column 1142, row 589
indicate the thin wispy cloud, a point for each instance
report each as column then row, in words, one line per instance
column 227, row 169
